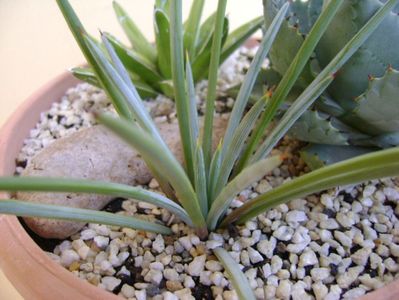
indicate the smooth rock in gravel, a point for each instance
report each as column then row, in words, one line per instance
column 94, row 153
column 110, row 282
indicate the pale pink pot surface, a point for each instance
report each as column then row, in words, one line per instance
column 30, row 270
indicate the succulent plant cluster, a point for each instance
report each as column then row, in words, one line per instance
column 359, row 112
column 149, row 63
column 200, row 191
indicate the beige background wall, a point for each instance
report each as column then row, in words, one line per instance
column 35, row 45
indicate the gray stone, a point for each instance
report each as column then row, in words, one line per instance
column 96, row 154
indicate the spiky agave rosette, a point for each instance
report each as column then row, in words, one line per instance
column 360, row 110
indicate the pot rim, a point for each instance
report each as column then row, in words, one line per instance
column 23, row 262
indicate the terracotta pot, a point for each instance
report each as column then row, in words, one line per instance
column 30, row 270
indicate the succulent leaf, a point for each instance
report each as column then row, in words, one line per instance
column 373, row 58
column 317, row 128
column 287, row 42
column 162, row 41
column 134, row 34
column 378, row 107
column 201, row 62
column 318, row 155
column 136, row 63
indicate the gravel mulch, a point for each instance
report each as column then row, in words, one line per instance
column 339, row 244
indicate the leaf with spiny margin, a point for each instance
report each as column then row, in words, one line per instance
column 162, row 41
column 133, row 33
column 386, row 140
column 136, row 63
column 315, row 127
column 378, row 107
column 373, row 58
column 314, row 90
column 201, row 62
column 314, row 9
column 287, row 42
column 317, row 155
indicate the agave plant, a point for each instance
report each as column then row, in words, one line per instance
column 200, row 191
column 359, row 112
column 149, row 65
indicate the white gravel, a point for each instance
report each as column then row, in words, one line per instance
column 339, row 244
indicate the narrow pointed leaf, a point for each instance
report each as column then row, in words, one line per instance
column 163, row 159
column 239, row 36
column 133, row 33
column 110, row 80
column 247, row 177
column 251, row 76
column 181, row 100
column 29, row 209
column 163, row 5
column 290, row 77
column 193, row 118
column 384, row 163
column 205, row 33
column 201, row 61
column 191, row 30
column 44, row 184
column 324, row 76
column 162, row 41
column 121, row 91
column 136, row 63
column 237, row 277
column 214, row 170
column 200, row 180
column 87, row 75
column 76, row 27
column 237, row 143
column 292, row 114
column 212, row 82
